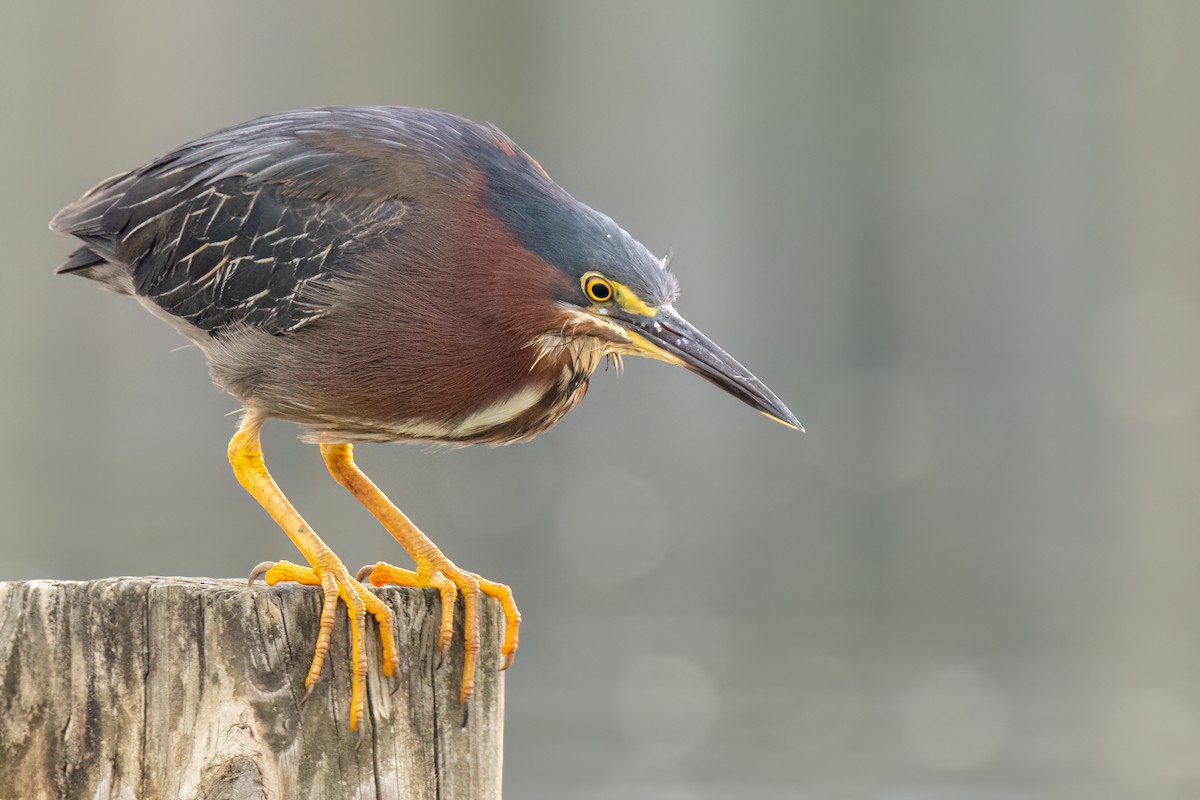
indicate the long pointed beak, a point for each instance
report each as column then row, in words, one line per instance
column 669, row 337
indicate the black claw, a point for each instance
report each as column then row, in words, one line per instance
column 361, row 735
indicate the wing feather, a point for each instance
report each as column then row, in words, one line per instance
column 245, row 226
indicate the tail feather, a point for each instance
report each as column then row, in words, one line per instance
column 82, row 259
column 87, row 263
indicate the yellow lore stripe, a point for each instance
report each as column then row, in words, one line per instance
column 629, row 301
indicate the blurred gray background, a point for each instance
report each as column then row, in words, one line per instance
column 960, row 239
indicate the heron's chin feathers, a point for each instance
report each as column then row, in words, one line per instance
column 586, row 339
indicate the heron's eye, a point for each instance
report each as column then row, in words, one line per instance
column 597, row 288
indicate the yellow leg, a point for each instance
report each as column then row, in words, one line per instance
column 433, row 568
column 326, row 569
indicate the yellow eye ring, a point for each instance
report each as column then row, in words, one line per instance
column 597, row 288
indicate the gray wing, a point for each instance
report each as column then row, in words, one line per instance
column 246, row 226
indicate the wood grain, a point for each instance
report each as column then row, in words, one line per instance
column 192, row 688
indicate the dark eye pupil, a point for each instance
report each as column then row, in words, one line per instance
column 601, row 291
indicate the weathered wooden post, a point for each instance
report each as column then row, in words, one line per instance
column 186, row 688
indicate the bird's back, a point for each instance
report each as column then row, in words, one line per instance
column 244, row 227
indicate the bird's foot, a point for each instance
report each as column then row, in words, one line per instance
column 335, row 581
column 439, row 573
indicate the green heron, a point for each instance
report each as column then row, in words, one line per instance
column 385, row 274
